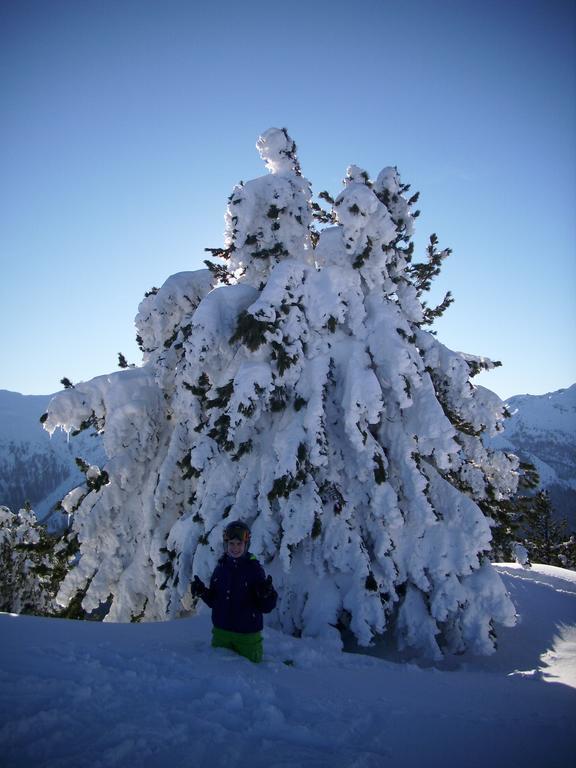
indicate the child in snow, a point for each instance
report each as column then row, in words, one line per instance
column 239, row 593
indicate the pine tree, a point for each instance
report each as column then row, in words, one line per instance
column 304, row 395
column 525, row 527
column 32, row 564
column 509, row 514
column 546, row 539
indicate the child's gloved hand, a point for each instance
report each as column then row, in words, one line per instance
column 265, row 589
column 198, row 588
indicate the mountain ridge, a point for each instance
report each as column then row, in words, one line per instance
column 542, row 430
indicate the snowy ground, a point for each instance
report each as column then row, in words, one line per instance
column 75, row 694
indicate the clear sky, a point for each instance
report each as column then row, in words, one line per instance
column 125, row 124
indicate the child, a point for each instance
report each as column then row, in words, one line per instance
column 239, row 593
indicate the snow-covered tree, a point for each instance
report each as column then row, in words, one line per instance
column 32, row 563
column 123, row 513
column 302, row 393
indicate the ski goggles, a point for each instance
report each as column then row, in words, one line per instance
column 236, row 532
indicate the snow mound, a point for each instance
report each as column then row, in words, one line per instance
column 98, row 695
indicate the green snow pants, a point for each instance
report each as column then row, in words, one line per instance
column 248, row 644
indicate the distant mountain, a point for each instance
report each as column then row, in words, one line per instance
column 34, row 466
column 542, row 430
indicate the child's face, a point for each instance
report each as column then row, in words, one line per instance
column 235, row 548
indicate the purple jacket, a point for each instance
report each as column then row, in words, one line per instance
column 234, row 594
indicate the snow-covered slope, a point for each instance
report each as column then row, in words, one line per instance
column 33, row 466
column 542, row 430
column 90, row 695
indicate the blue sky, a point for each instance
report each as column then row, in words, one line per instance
column 124, row 126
